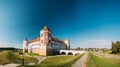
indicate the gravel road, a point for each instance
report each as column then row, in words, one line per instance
column 81, row 61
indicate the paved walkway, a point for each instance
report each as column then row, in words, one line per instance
column 81, row 61
column 10, row 65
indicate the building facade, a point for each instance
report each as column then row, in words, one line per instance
column 45, row 44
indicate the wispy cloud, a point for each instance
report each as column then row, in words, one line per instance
column 96, row 43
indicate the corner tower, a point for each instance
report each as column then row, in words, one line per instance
column 25, row 45
column 67, row 42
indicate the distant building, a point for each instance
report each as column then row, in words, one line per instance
column 45, row 44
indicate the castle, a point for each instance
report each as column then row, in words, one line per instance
column 45, row 44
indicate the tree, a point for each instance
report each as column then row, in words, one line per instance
column 116, row 47
column 78, row 48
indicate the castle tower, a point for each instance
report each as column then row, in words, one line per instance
column 45, row 35
column 25, row 45
column 67, row 41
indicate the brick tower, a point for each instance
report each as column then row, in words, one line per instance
column 45, row 46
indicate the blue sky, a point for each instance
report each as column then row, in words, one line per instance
column 87, row 23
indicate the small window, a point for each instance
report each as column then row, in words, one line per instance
column 41, row 35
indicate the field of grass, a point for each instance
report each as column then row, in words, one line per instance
column 113, row 61
column 10, row 57
column 112, row 58
column 58, row 61
column 95, row 61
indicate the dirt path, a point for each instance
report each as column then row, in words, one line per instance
column 81, row 61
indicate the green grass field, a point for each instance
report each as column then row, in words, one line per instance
column 58, row 61
column 113, row 61
column 95, row 61
column 10, row 57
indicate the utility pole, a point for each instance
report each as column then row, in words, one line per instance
column 22, row 59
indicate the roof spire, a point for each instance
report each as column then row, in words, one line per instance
column 46, row 28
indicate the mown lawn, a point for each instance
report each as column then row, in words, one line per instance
column 58, row 61
column 95, row 61
column 10, row 57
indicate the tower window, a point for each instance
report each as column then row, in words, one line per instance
column 41, row 41
column 41, row 35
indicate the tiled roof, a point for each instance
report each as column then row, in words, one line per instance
column 52, row 39
column 35, row 40
column 57, row 40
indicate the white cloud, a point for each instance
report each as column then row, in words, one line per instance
column 95, row 43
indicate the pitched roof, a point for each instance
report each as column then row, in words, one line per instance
column 57, row 40
column 45, row 28
column 35, row 40
column 52, row 39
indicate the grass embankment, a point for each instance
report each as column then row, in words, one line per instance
column 33, row 54
column 113, row 61
column 58, row 61
column 112, row 58
column 10, row 57
column 95, row 61
column 62, row 61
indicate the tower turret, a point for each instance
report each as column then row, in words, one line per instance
column 67, row 42
column 25, row 45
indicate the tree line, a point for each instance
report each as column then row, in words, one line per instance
column 7, row 48
column 10, row 48
column 115, row 47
